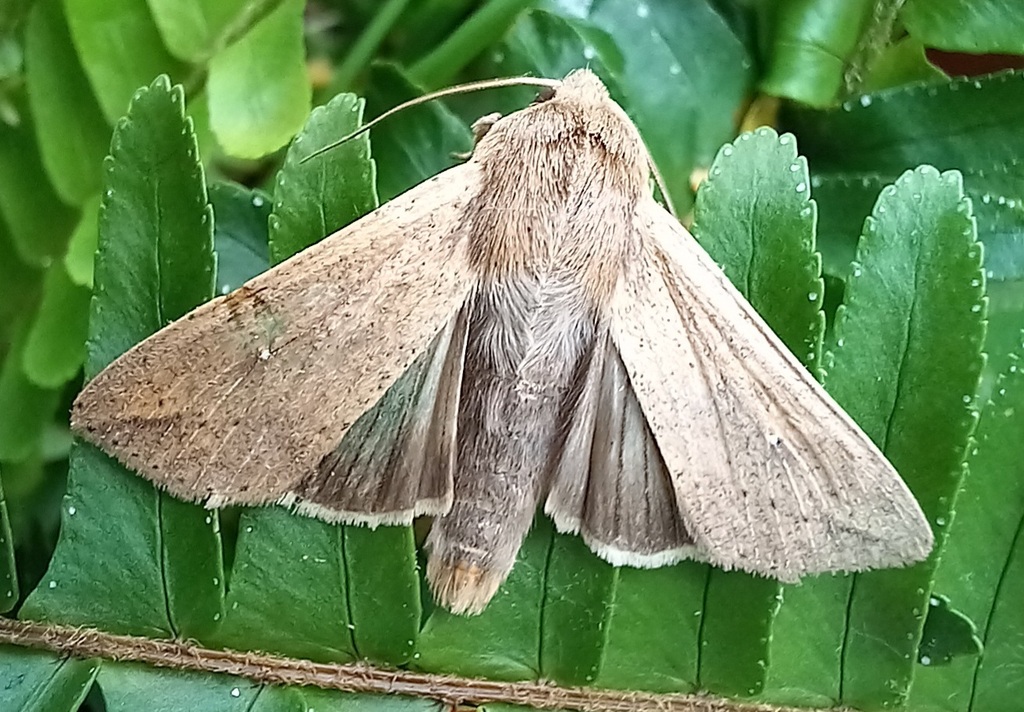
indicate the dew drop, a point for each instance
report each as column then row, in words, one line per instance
column 925, row 660
column 72, row 510
column 784, row 139
column 976, row 308
column 975, row 282
column 840, row 342
column 675, row 68
column 727, row 150
column 248, row 530
column 588, row 52
column 967, row 399
column 801, row 187
column 812, row 297
column 642, row 10
column 258, row 201
column 865, row 101
column 53, row 584
column 794, row 167
column 235, row 692
column 940, row 521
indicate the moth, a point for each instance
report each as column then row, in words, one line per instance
column 527, row 328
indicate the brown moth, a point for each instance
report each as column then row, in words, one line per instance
column 528, row 327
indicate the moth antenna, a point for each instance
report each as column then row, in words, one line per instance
column 662, row 188
column 439, row 94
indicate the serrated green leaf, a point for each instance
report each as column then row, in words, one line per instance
column 240, row 233
column 73, row 136
column 417, row 143
column 681, row 60
column 333, row 701
column 78, row 260
column 193, row 29
column 25, row 408
column 982, row 536
column 39, row 681
column 315, row 198
column 38, row 222
column 259, row 90
column 55, row 344
column 811, row 44
column 131, row 687
column 9, row 590
column 119, row 48
column 503, row 642
column 288, row 591
column 579, row 589
column 766, row 244
column 155, row 263
column 975, row 26
column 655, row 647
column 999, row 684
column 766, row 248
column 902, row 62
column 907, row 358
column 963, row 123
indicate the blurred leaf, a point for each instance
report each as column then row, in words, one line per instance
column 766, row 248
column 193, row 29
column 811, row 44
column 21, row 284
column 907, row 357
column 982, row 536
column 25, row 408
column 240, row 233
column 155, row 263
column 9, row 591
column 947, row 634
column 130, row 688
column 38, row 222
column 417, row 143
column 685, row 76
column 39, row 681
column 72, row 133
column 976, row 26
column 259, row 90
column 55, row 344
column 119, row 49
column 315, row 198
column 78, row 260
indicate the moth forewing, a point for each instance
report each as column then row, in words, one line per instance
column 771, row 476
column 239, row 401
column 528, row 327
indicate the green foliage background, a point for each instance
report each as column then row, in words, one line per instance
column 878, row 225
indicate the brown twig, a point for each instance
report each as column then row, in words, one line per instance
column 277, row 670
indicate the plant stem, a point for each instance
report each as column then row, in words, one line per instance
column 482, row 29
column 276, row 670
column 365, row 47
